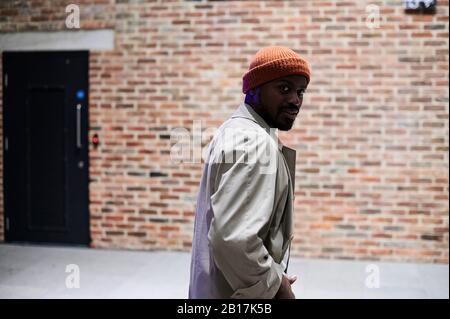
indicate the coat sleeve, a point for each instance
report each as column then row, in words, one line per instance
column 242, row 207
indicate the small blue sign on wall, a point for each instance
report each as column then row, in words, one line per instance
column 419, row 5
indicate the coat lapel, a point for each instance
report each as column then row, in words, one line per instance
column 290, row 157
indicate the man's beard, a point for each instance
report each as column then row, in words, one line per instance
column 266, row 116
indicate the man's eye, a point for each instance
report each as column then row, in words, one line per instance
column 284, row 89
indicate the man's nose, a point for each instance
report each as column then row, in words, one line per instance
column 296, row 100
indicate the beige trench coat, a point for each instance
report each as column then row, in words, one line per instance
column 243, row 219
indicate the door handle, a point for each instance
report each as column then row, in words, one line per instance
column 79, row 145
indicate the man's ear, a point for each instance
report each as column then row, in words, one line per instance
column 252, row 95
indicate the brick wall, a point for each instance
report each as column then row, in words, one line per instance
column 372, row 136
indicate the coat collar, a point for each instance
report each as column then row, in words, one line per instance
column 246, row 111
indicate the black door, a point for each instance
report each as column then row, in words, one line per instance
column 45, row 121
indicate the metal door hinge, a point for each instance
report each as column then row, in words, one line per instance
column 6, row 143
column 7, row 223
column 6, row 80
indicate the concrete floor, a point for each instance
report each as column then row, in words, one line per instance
column 28, row 271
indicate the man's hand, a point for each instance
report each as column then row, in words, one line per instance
column 285, row 290
column 292, row 279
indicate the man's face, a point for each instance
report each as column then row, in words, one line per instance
column 278, row 102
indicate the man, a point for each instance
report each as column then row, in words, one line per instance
column 243, row 220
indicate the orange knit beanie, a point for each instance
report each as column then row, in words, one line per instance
column 271, row 63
